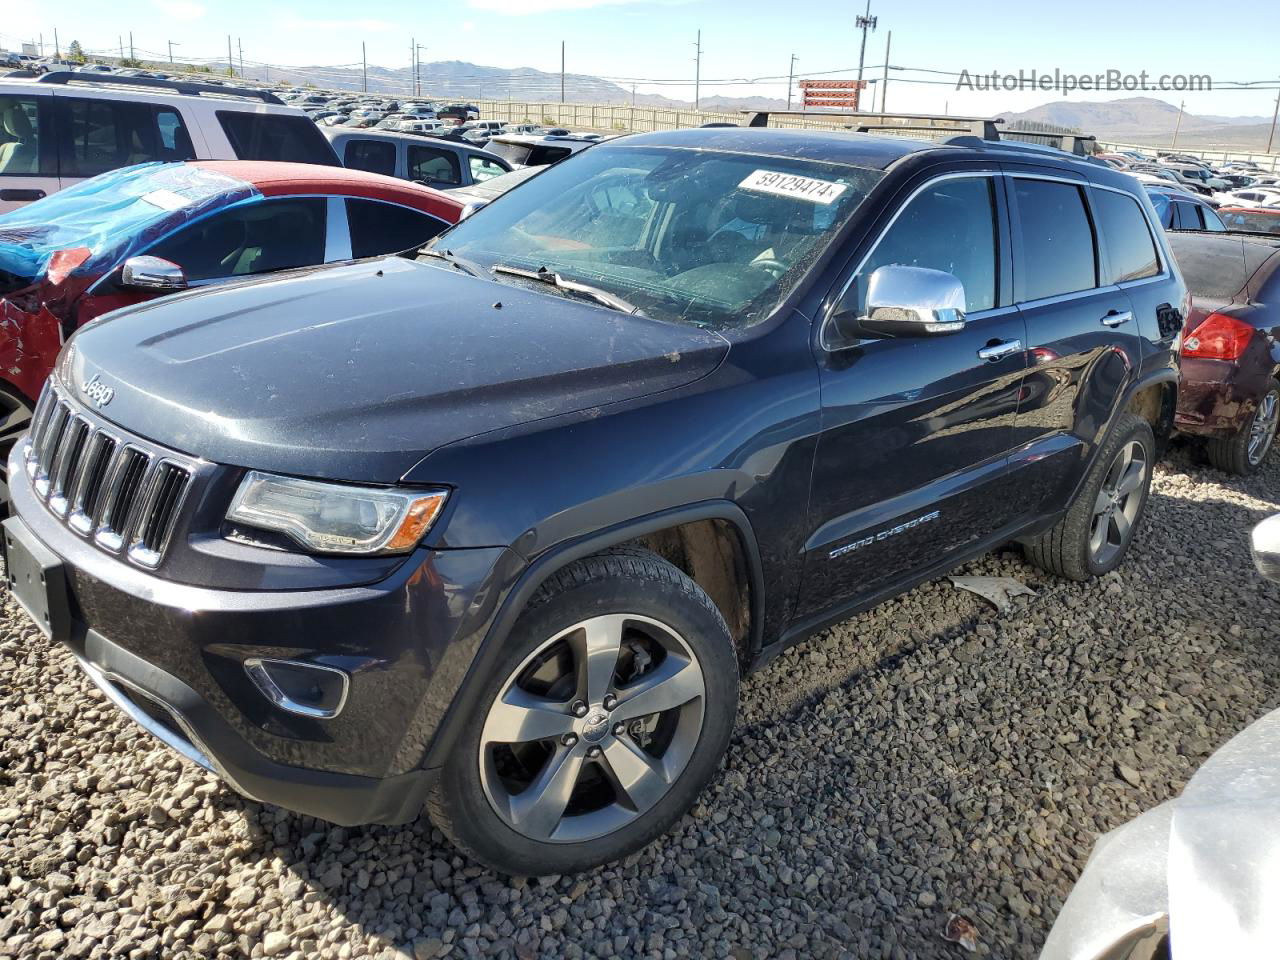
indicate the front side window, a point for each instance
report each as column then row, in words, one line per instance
column 20, row 137
column 482, row 169
column 950, row 226
column 1058, row 253
column 251, row 238
column 379, row 229
column 273, row 136
column 711, row 238
column 1131, row 249
column 432, row 166
column 105, row 135
column 374, row 156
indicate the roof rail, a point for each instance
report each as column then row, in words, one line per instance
column 760, row 118
column 184, row 87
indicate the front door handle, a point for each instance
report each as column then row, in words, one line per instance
column 1117, row 317
column 1000, row 349
column 14, row 195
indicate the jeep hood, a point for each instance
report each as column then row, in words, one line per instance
column 357, row 372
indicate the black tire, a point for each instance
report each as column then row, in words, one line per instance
column 1065, row 549
column 1233, row 454
column 15, row 418
column 631, row 582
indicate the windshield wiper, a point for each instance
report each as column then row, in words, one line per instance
column 549, row 277
column 466, row 266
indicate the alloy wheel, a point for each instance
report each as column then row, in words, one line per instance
column 1263, row 430
column 15, row 418
column 592, row 729
column 1117, row 504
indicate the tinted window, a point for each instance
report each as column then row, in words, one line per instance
column 272, row 136
column 432, row 165
column 1186, row 216
column 378, row 229
column 1214, row 269
column 252, row 238
column 105, row 135
column 482, row 168
column 1058, row 255
column 375, row 156
column 541, row 156
column 20, row 135
column 951, row 227
column 1129, row 243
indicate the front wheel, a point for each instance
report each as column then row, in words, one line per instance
column 1098, row 528
column 608, row 713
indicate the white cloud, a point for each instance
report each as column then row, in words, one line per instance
column 184, row 10
column 519, row 7
column 354, row 26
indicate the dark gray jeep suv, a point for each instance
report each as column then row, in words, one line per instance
column 495, row 532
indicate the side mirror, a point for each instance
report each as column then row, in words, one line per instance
column 1265, row 544
column 152, row 273
column 904, row 302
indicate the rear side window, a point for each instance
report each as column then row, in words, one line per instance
column 482, row 169
column 1212, row 222
column 1129, row 243
column 1058, row 254
column 104, row 135
column 434, row 166
column 273, row 136
column 25, row 143
column 950, row 227
column 543, row 156
column 378, row 228
column 251, row 238
column 1186, row 216
column 375, row 156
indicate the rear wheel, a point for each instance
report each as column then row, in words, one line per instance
column 1099, row 525
column 15, row 419
column 606, row 717
column 1244, row 451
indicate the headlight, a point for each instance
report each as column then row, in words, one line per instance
column 335, row 517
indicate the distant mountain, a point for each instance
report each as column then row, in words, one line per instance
column 1147, row 120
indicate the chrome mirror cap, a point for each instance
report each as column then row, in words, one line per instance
column 913, row 301
column 152, row 273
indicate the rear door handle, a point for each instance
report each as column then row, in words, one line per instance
column 19, row 196
column 995, row 351
column 1117, row 317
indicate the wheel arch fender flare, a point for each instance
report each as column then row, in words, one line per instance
column 567, row 552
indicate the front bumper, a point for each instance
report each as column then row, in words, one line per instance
column 172, row 656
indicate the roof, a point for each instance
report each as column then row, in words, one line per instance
column 368, row 133
column 291, row 179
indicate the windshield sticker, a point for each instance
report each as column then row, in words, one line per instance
column 789, row 185
column 166, row 199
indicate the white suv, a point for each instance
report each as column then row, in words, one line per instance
column 60, row 128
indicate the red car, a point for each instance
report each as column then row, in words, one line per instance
column 1228, row 392
column 142, row 232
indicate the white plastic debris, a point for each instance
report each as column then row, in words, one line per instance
column 996, row 590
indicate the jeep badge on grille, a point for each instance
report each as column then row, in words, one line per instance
column 97, row 391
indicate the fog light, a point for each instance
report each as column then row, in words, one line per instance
column 307, row 689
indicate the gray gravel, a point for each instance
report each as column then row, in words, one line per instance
column 932, row 756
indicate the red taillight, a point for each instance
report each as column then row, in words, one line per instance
column 1220, row 337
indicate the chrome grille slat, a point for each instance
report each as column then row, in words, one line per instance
column 106, row 487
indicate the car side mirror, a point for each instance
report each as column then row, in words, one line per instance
column 152, row 273
column 1265, row 543
column 901, row 302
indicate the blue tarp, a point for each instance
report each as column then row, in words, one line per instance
column 114, row 215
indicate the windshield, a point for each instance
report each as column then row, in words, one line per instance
column 715, row 239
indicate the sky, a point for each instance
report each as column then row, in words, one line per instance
column 652, row 42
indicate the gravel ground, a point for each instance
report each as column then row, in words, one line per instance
column 931, row 756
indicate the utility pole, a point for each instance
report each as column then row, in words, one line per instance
column 364, row 69
column 791, row 79
column 171, row 46
column 562, row 71
column 1275, row 113
column 131, row 55
column 884, row 89
column 240, row 47
column 413, row 63
column 57, row 50
column 418, row 48
column 41, row 44
column 1177, row 126
column 864, row 23
column 231, row 64
column 697, row 71
column 121, row 39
